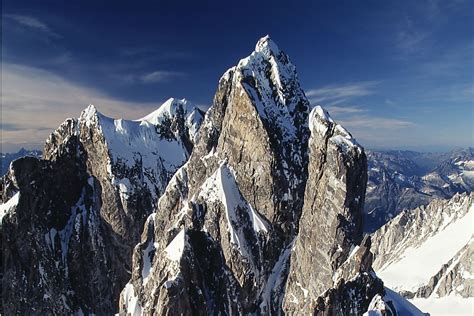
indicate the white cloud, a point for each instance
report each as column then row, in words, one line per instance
column 335, row 109
column 336, row 94
column 35, row 102
column 32, row 23
column 375, row 122
column 161, row 76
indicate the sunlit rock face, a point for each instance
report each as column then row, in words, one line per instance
column 266, row 215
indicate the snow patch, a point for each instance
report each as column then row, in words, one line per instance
column 450, row 305
column 132, row 305
column 174, row 251
column 9, row 205
column 222, row 187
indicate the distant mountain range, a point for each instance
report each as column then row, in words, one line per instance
column 7, row 158
column 399, row 180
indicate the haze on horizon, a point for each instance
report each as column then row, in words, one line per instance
column 396, row 75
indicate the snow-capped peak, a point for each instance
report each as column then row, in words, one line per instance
column 320, row 122
column 89, row 113
column 168, row 108
column 266, row 46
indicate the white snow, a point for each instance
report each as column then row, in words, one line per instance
column 276, row 109
column 147, row 262
column 132, row 143
column 132, row 304
column 319, row 120
column 402, row 305
column 175, row 249
column 450, row 305
column 222, row 187
column 9, row 205
column 418, row 265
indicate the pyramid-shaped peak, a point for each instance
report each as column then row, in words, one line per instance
column 89, row 112
column 267, row 46
column 169, row 109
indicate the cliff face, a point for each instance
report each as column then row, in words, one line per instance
column 68, row 238
column 266, row 216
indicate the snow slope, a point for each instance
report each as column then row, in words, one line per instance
column 418, row 264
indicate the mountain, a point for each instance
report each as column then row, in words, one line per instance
column 71, row 219
column 254, row 208
column 426, row 255
column 7, row 158
column 400, row 180
column 266, row 215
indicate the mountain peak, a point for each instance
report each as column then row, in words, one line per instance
column 89, row 113
column 168, row 108
column 267, row 46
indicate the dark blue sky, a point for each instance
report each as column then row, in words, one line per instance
column 398, row 74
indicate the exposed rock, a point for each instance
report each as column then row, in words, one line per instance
column 68, row 241
column 268, row 184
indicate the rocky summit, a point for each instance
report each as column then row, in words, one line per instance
column 254, row 209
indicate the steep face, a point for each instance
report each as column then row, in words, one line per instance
column 81, row 209
column 266, row 184
column 252, row 156
column 427, row 252
column 331, row 224
column 400, row 180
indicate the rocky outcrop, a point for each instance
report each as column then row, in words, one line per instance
column 266, row 215
column 331, row 223
column 68, row 240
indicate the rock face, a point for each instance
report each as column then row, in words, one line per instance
column 266, row 215
column 403, row 180
column 70, row 220
column 427, row 252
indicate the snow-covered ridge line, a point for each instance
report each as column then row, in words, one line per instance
column 274, row 87
column 320, row 122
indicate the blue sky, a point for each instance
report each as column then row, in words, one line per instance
column 397, row 74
